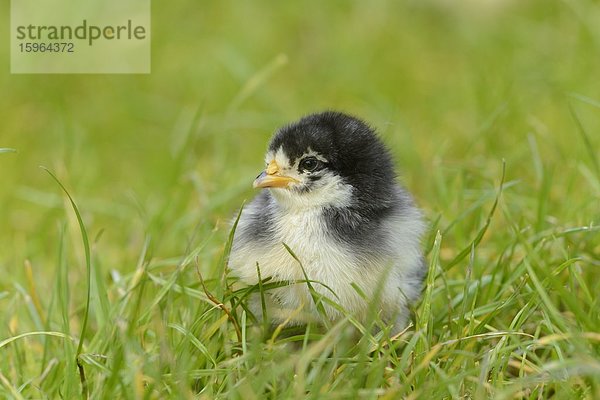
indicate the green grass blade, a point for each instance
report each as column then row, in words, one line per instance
column 467, row 250
column 586, row 140
column 316, row 296
column 423, row 321
column 88, row 263
column 222, row 269
column 29, row 334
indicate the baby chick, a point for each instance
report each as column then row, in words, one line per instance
column 330, row 195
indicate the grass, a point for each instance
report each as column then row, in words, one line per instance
column 492, row 111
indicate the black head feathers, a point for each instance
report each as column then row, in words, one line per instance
column 351, row 147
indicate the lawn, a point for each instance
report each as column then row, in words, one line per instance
column 491, row 110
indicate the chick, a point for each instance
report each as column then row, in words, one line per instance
column 329, row 193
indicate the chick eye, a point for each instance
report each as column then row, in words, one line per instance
column 310, row 164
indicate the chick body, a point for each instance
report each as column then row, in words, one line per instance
column 347, row 221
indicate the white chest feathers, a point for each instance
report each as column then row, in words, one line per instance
column 304, row 233
column 331, row 266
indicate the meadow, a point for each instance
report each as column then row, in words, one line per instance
column 113, row 279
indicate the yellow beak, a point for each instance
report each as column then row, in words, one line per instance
column 270, row 177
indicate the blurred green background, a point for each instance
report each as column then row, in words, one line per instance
column 164, row 160
column 453, row 88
